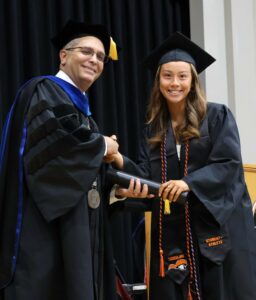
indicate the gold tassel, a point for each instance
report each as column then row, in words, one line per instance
column 167, row 208
column 113, row 50
column 161, row 271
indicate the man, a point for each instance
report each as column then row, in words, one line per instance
column 54, row 241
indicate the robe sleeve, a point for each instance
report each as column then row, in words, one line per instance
column 62, row 155
column 220, row 185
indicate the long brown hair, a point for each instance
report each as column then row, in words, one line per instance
column 158, row 114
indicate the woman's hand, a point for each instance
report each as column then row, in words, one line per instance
column 135, row 190
column 172, row 189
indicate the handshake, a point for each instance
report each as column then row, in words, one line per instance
column 133, row 187
column 112, row 154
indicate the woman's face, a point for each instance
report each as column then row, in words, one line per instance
column 175, row 79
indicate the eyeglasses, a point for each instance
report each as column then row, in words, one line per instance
column 89, row 52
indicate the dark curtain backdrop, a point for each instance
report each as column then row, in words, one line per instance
column 118, row 99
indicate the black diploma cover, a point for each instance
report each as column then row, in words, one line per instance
column 123, row 179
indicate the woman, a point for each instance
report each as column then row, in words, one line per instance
column 204, row 248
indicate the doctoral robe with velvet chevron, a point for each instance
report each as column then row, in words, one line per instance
column 53, row 245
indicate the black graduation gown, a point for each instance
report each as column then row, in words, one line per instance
column 220, row 214
column 64, row 250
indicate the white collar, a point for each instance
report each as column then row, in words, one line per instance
column 61, row 74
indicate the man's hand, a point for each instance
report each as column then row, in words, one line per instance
column 112, row 145
column 113, row 155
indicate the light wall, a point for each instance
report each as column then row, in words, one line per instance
column 227, row 30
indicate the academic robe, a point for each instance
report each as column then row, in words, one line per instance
column 53, row 245
column 220, row 214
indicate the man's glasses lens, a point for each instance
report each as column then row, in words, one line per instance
column 90, row 52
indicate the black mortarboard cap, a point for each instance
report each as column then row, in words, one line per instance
column 179, row 48
column 73, row 30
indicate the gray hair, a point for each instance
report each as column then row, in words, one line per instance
column 72, row 43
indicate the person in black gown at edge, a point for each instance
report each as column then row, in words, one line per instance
column 55, row 243
column 203, row 248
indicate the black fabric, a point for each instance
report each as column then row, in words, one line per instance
column 178, row 47
column 118, row 99
column 9, row 178
column 221, row 213
column 49, row 153
column 42, row 131
column 60, row 110
column 74, row 29
column 63, row 251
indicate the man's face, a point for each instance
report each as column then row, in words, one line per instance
column 81, row 62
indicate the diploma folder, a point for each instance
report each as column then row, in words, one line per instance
column 123, row 179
